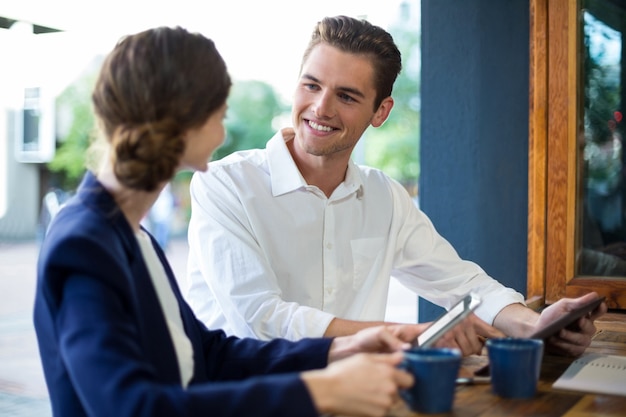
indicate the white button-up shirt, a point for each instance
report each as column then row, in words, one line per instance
column 271, row 256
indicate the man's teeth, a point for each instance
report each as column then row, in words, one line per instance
column 320, row 127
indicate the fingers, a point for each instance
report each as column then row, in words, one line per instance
column 565, row 305
column 469, row 336
column 364, row 384
column 390, row 342
column 567, row 345
column 408, row 332
column 587, row 327
column 371, row 339
column 585, row 298
column 391, row 359
column 486, row 331
column 573, row 342
column 574, row 303
column 471, row 344
column 379, row 339
column 464, row 339
column 387, row 367
column 600, row 311
column 400, row 378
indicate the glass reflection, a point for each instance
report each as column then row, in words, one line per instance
column 603, row 177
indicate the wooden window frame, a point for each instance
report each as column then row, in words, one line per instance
column 552, row 170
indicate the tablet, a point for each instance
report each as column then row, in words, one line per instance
column 447, row 321
column 553, row 328
column 567, row 319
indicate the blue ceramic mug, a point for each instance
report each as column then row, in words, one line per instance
column 435, row 371
column 515, row 364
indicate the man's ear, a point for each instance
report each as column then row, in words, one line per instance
column 383, row 112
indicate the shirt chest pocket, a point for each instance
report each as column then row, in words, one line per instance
column 366, row 257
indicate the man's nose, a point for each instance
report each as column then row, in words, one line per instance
column 324, row 107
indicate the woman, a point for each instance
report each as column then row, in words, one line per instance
column 115, row 336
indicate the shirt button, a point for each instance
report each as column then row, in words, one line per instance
column 329, row 246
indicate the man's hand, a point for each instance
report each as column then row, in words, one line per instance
column 517, row 320
column 469, row 336
column 571, row 341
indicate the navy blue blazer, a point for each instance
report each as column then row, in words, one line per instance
column 105, row 346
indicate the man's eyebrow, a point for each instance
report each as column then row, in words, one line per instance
column 350, row 90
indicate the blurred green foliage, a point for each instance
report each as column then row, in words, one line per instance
column 394, row 147
column 253, row 108
column 77, row 128
column 601, row 80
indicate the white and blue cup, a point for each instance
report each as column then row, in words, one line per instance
column 515, row 365
column 435, row 371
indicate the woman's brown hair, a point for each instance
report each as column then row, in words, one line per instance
column 152, row 88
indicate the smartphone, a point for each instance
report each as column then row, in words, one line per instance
column 447, row 321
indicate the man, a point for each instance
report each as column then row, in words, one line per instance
column 297, row 241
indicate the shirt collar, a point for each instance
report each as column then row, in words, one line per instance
column 284, row 173
column 352, row 184
column 285, row 176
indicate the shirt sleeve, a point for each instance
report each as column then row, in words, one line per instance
column 230, row 282
column 428, row 264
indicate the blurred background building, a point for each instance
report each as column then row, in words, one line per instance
column 55, row 50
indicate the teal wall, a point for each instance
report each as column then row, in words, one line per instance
column 474, row 132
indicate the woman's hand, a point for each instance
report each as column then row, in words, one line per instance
column 364, row 384
column 379, row 339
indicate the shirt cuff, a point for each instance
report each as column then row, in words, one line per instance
column 309, row 322
column 495, row 302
